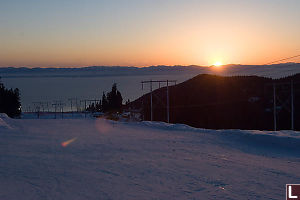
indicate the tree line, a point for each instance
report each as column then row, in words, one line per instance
column 11, row 105
column 10, row 101
column 110, row 102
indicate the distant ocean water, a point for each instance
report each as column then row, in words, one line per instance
column 61, row 84
column 50, row 89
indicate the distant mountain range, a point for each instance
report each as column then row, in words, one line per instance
column 274, row 71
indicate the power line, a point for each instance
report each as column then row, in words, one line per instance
column 282, row 59
column 168, row 103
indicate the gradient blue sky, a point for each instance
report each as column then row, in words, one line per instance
column 39, row 33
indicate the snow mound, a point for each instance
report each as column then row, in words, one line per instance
column 184, row 127
column 4, row 116
column 4, row 121
column 174, row 127
column 285, row 139
column 278, row 134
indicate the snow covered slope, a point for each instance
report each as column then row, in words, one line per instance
column 99, row 159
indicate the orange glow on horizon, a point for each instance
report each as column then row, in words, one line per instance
column 148, row 33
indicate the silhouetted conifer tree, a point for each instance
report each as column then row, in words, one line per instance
column 104, row 106
column 113, row 100
column 10, row 101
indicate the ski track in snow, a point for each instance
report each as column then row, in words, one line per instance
column 118, row 160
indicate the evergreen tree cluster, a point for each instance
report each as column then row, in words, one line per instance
column 94, row 107
column 111, row 102
column 10, row 101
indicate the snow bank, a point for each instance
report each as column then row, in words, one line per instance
column 4, row 121
column 168, row 126
column 270, row 140
column 184, row 127
column 3, row 115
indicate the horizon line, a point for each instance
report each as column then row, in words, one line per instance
column 146, row 66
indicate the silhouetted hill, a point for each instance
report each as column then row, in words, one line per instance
column 217, row 102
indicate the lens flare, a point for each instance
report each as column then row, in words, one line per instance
column 103, row 126
column 66, row 143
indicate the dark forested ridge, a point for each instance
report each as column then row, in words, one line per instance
column 217, row 102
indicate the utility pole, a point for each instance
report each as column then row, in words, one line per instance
column 283, row 100
column 151, row 95
column 43, row 107
column 151, row 101
column 88, row 100
column 55, row 105
column 168, row 103
column 48, row 107
column 37, row 106
column 77, row 106
column 71, row 100
column 292, row 105
column 62, row 110
column 274, row 105
column 84, row 107
column 58, row 104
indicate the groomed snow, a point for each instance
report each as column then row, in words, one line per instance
column 100, row 159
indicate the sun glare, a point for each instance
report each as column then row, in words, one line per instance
column 217, row 64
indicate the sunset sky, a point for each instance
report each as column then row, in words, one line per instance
column 65, row 33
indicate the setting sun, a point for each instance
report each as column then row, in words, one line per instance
column 218, row 64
